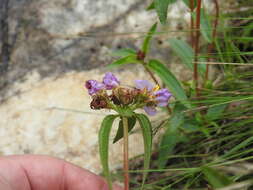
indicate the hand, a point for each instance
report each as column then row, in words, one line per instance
column 30, row 172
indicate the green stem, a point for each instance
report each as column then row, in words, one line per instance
column 126, row 166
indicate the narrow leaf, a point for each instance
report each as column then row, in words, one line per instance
column 186, row 54
column 145, row 45
column 172, row 136
column 104, row 134
column 215, row 112
column 215, row 178
column 119, row 134
column 170, row 80
column 205, row 26
column 122, row 61
column 161, row 7
column 147, row 138
column 124, row 52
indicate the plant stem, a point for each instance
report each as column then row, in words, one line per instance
column 126, row 165
column 196, row 46
column 211, row 46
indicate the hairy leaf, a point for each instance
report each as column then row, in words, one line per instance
column 104, row 134
column 147, row 138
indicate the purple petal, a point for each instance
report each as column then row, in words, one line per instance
column 150, row 110
column 93, row 86
column 110, row 81
column 143, row 84
column 163, row 92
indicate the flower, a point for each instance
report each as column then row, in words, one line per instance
column 110, row 81
column 94, row 86
column 162, row 97
column 155, row 96
column 144, row 85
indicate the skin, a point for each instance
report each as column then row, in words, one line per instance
column 33, row 172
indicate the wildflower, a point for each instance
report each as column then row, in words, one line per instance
column 156, row 97
column 162, row 97
column 94, row 86
column 110, row 81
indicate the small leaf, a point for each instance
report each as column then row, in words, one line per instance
column 124, row 52
column 170, row 80
column 131, row 124
column 104, row 134
column 161, row 7
column 215, row 112
column 146, row 42
column 186, row 54
column 122, row 61
column 215, row 178
column 147, row 138
column 205, row 26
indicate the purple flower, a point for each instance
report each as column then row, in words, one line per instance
column 144, row 84
column 150, row 110
column 94, row 86
column 162, row 97
column 110, row 81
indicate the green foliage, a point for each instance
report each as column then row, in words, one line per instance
column 119, row 134
column 161, row 7
column 123, row 61
column 146, row 42
column 170, row 80
column 205, row 26
column 187, row 2
column 104, row 134
column 185, row 53
column 124, row 52
column 215, row 178
column 147, row 138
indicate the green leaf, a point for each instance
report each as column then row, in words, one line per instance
column 131, row 124
column 151, row 6
column 215, row 178
column 171, row 137
column 124, row 52
column 186, row 53
column 161, row 7
column 187, row 2
column 205, row 26
column 215, row 112
column 146, row 42
column 123, row 61
column 170, row 80
column 147, row 138
column 104, row 134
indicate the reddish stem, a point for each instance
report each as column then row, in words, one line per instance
column 126, row 165
column 196, row 46
column 211, row 46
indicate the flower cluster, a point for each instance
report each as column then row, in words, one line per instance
column 109, row 94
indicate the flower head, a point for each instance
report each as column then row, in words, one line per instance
column 94, row 86
column 110, row 81
column 144, row 85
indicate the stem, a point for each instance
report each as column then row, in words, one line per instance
column 126, row 166
column 211, row 46
column 151, row 75
column 195, row 74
